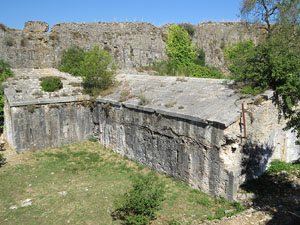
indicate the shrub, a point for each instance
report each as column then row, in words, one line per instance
column 97, row 71
column 200, row 59
column 277, row 166
column 51, row 83
column 178, row 46
column 272, row 64
column 93, row 139
column 5, row 72
column 184, row 58
column 140, row 204
column 71, row 60
column 2, row 160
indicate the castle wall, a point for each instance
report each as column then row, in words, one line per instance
column 131, row 44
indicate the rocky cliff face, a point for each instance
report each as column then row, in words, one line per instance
column 131, row 44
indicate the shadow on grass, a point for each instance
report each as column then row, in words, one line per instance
column 274, row 192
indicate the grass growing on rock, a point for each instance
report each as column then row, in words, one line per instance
column 79, row 183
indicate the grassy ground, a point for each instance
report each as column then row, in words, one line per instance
column 77, row 184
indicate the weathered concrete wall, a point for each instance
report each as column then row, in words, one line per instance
column 37, row 127
column 265, row 140
column 131, row 44
column 184, row 149
column 35, row 119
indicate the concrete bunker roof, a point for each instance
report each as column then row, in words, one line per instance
column 195, row 99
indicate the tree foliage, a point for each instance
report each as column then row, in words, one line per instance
column 140, row 204
column 71, row 60
column 97, row 71
column 95, row 67
column 5, row 72
column 184, row 58
column 178, row 46
column 274, row 63
column 270, row 12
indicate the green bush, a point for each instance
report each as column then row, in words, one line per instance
column 5, row 72
column 97, row 71
column 178, row 46
column 95, row 67
column 205, row 201
column 71, row 60
column 277, row 166
column 272, row 64
column 2, row 160
column 140, row 204
column 51, row 83
column 184, row 58
column 248, row 89
column 200, row 59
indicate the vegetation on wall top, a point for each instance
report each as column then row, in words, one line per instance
column 273, row 63
column 94, row 66
column 183, row 57
column 5, row 72
column 51, row 83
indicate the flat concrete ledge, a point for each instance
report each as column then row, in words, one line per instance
column 195, row 99
column 24, row 88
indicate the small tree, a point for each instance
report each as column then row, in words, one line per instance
column 270, row 12
column 97, row 71
column 275, row 62
column 71, row 60
column 178, row 46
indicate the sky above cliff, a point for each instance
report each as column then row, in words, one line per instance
column 14, row 13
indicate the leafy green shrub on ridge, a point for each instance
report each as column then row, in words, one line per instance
column 71, row 60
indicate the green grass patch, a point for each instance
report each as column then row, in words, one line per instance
column 79, row 183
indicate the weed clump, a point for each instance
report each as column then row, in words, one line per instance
column 51, row 83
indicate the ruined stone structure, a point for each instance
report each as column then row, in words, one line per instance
column 187, row 128
column 131, row 44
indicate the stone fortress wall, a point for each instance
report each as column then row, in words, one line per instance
column 190, row 129
column 131, row 44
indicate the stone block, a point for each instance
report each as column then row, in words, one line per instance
column 36, row 26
